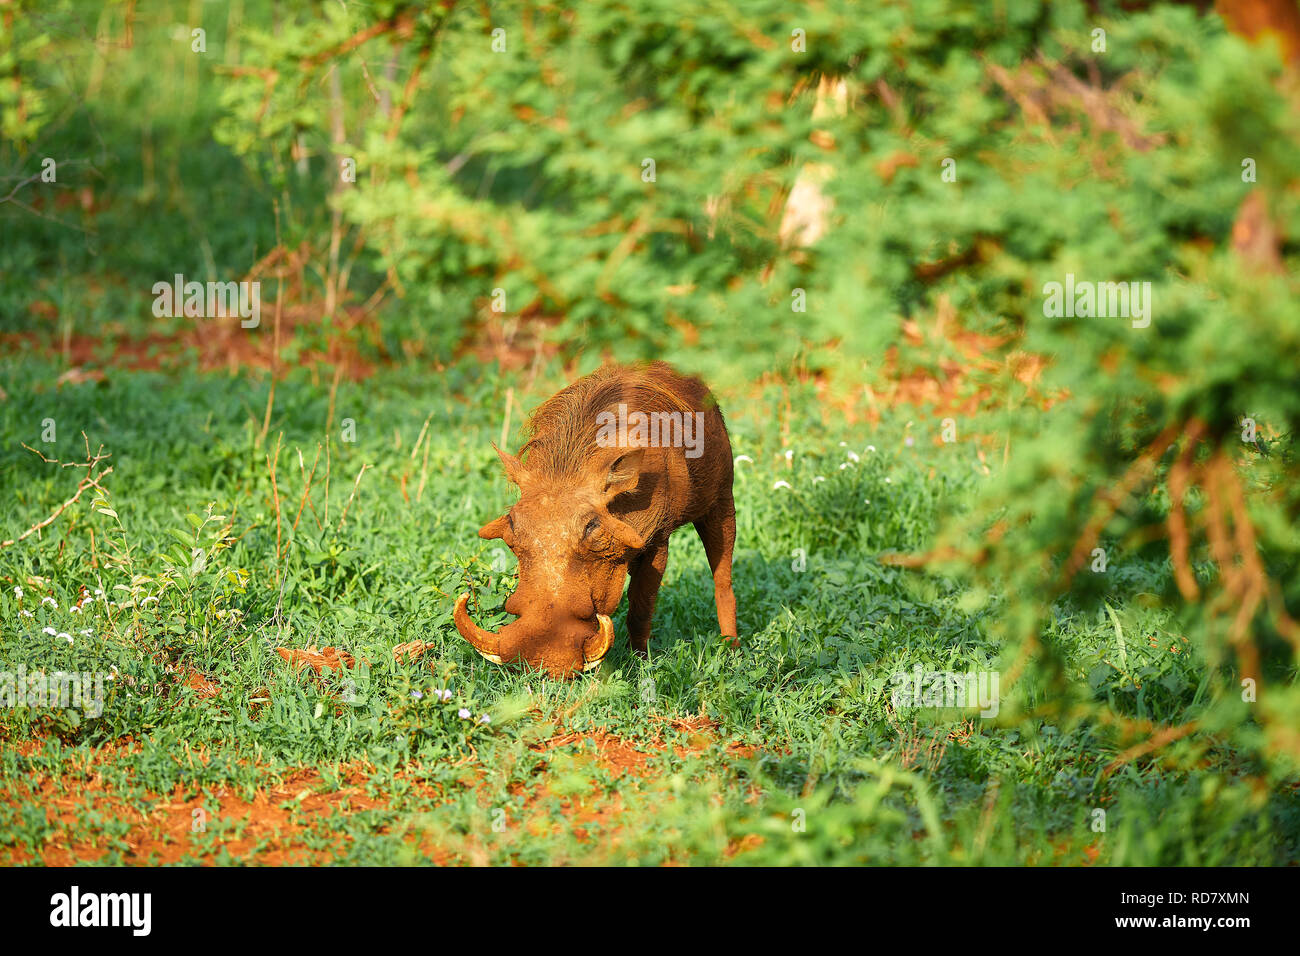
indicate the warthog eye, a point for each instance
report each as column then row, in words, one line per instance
column 592, row 525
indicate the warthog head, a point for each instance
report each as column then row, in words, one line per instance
column 573, row 555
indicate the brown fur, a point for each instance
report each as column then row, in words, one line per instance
column 590, row 516
column 561, row 431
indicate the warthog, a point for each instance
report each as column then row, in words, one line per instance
column 613, row 464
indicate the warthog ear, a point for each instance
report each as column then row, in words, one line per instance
column 514, row 467
column 624, row 472
column 494, row 529
column 623, row 533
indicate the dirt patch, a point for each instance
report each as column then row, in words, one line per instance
column 618, row 755
column 216, row 345
column 278, row 824
column 223, row 343
column 172, row 828
column 612, row 753
column 168, row 828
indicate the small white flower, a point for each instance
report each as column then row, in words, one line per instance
column 464, row 713
column 75, row 609
column 782, row 484
column 85, row 632
column 740, row 458
column 853, row 456
column 443, row 695
column 819, row 478
column 65, row 635
column 789, row 454
column 889, row 481
column 18, row 592
column 50, row 631
column 845, row 465
column 418, row 695
column 50, row 601
column 484, row 719
column 871, row 448
column 844, row 444
column 26, row 614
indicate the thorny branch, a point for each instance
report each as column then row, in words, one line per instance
column 91, row 480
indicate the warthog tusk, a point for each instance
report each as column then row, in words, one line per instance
column 603, row 640
column 485, row 642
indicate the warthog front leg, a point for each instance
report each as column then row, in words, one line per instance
column 647, row 571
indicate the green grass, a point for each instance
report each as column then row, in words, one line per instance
column 801, row 758
column 786, row 751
